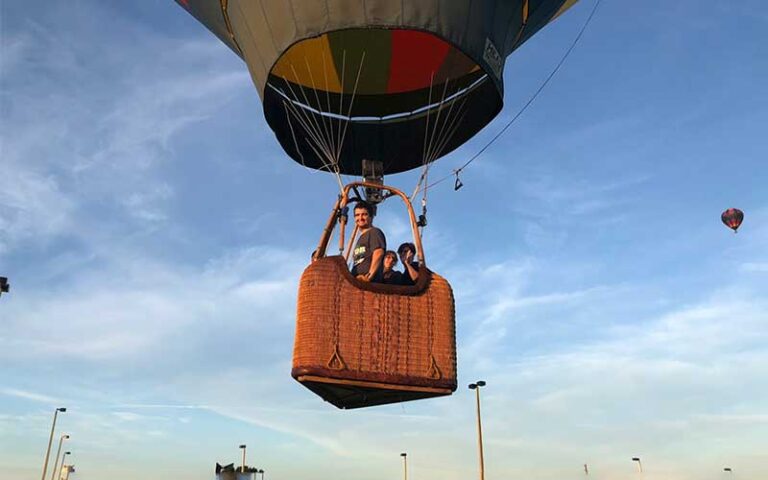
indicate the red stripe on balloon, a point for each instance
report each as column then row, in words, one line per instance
column 416, row 57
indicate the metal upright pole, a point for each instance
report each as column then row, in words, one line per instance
column 405, row 465
column 480, row 437
column 242, row 469
column 50, row 441
column 58, row 453
column 61, row 467
column 476, row 387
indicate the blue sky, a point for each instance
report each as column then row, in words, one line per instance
column 154, row 233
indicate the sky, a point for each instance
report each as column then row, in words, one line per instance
column 153, row 232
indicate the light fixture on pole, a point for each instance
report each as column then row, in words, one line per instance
column 476, row 387
column 728, row 469
column 61, row 467
column 261, row 471
column 242, row 468
column 58, row 452
column 4, row 285
column 50, row 441
column 639, row 464
column 405, row 465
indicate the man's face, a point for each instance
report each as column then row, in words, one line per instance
column 406, row 255
column 362, row 218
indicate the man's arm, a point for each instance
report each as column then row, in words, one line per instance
column 411, row 271
column 376, row 261
column 407, row 260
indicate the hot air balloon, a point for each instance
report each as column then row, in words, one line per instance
column 374, row 87
column 354, row 79
column 732, row 218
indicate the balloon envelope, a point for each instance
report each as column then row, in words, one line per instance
column 399, row 81
column 732, row 218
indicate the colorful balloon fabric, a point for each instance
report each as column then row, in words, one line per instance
column 732, row 218
column 399, row 81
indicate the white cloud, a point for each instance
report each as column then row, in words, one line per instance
column 35, row 397
column 133, row 305
column 32, row 206
column 84, row 152
column 756, row 267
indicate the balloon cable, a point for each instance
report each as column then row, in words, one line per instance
column 456, row 171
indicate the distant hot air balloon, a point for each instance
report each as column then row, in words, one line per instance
column 402, row 82
column 732, row 218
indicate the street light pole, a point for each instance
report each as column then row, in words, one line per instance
column 639, row 464
column 58, row 452
column 476, row 387
column 50, row 441
column 242, row 469
column 405, row 465
column 61, row 467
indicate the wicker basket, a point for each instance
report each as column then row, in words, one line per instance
column 360, row 344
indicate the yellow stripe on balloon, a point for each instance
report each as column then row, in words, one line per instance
column 568, row 4
column 304, row 62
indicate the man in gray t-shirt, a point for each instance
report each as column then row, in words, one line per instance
column 370, row 247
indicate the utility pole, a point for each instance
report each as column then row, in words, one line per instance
column 476, row 387
column 50, row 441
column 242, row 469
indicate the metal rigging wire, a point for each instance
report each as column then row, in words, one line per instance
column 456, row 171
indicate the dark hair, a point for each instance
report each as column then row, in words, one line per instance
column 366, row 206
column 391, row 252
column 406, row 246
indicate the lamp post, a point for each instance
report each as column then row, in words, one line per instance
column 639, row 464
column 242, row 469
column 586, row 469
column 58, row 452
column 50, row 441
column 476, row 387
column 61, row 467
column 405, row 465
column 261, row 471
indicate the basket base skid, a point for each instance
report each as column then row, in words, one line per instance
column 348, row 394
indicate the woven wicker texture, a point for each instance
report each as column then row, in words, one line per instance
column 349, row 330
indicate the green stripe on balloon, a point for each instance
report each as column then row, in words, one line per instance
column 352, row 44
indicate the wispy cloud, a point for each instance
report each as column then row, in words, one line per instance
column 754, row 267
column 105, row 135
column 161, row 406
column 155, row 302
column 26, row 395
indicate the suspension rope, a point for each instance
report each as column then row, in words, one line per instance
column 320, row 136
column 455, row 172
column 352, row 101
